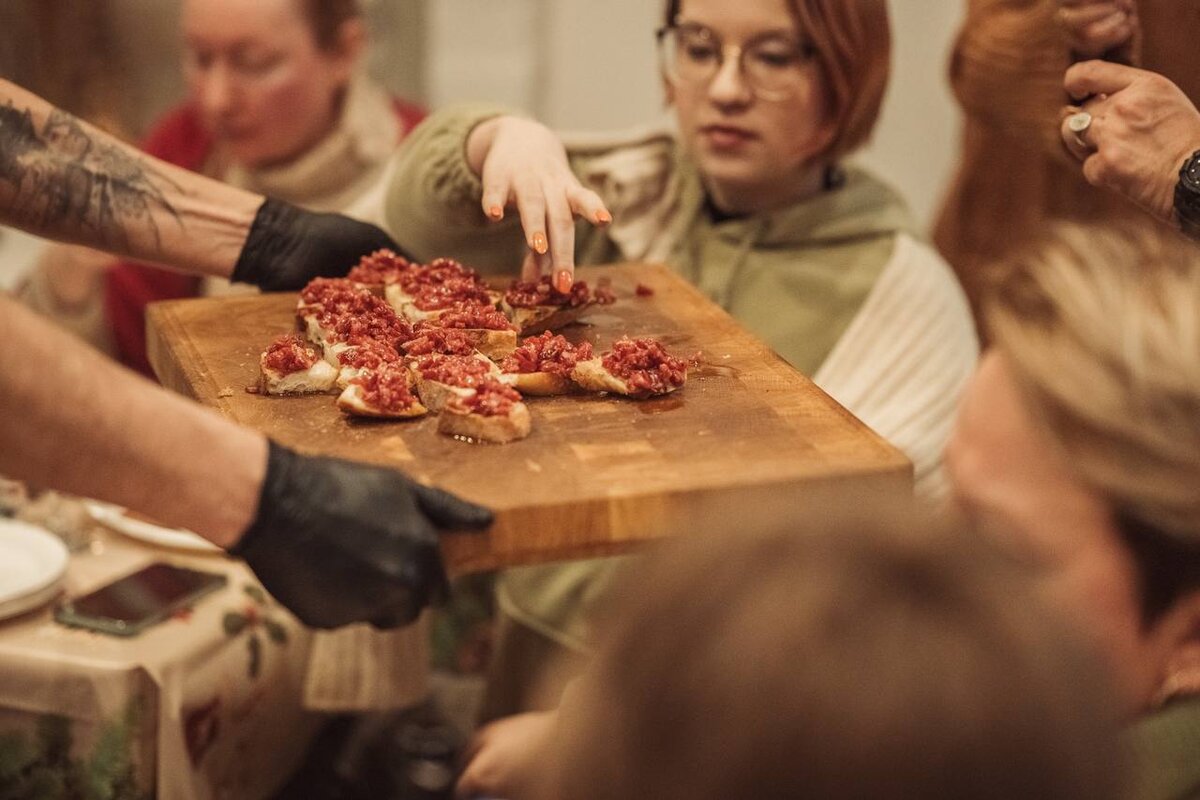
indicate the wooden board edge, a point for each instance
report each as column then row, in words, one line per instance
column 611, row 527
column 177, row 367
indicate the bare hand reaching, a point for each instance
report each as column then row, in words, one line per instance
column 523, row 163
column 506, row 757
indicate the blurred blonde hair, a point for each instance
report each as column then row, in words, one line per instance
column 872, row 653
column 1102, row 329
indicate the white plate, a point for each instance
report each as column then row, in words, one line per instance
column 32, row 564
column 175, row 538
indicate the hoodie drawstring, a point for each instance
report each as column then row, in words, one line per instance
column 753, row 236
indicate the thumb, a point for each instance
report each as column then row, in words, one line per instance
column 446, row 510
column 1088, row 78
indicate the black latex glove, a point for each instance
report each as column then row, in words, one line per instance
column 338, row 542
column 288, row 246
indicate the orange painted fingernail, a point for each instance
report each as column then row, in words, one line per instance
column 495, row 212
column 603, row 217
column 562, row 281
column 539, row 244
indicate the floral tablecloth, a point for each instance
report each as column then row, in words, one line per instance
column 209, row 704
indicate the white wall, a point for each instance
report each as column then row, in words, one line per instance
column 603, row 72
column 917, row 141
column 481, row 50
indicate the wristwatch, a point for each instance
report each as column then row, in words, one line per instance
column 1187, row 196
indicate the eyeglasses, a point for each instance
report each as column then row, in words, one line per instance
column 772, row 65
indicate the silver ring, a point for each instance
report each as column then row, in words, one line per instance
column 1078, row 124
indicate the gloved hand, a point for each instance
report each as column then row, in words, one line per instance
column 288, row 246
column 338, row 542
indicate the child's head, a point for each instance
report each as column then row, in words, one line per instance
column 878, row 658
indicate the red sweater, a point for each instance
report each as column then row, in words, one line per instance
column 179, row 138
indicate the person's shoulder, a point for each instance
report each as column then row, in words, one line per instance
column 924, row 269
column 179, row 137
column 862, row 179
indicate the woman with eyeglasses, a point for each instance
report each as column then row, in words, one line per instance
column 750, row 199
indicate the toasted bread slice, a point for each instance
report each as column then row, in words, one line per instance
column 405, row 304
column 541, row 384
column 396, row 297
column 592, row 375
column 357, row 361
column 377, row 289
column 351, row 401
column 531, row 321
column 493, row 344
column 317, row 379
column 333, row 352
column 414, row 315
column 436, row 394
column 384, row 393
column 377, row 269
column 510, row 427
column 291, row 366
column 310, row 326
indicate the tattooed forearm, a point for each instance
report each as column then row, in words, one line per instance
column 63, row 180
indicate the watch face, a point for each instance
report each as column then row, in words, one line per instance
column 1189, row 176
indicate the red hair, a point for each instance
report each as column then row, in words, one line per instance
column 853, row 43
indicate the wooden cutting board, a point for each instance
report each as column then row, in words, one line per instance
column 748, row 434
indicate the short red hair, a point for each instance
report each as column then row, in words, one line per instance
column 853, row 42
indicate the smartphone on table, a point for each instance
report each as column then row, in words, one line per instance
column 129, row 605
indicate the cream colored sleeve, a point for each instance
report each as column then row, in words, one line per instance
column 902, row 364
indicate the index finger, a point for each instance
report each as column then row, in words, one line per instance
column 1098, row 77
column 562, row 244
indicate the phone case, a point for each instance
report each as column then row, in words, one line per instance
column 66, row 614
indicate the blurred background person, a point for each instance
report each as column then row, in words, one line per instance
column 874, row 655
column 279, row 103
column 1078, row 448
column 1007, row 73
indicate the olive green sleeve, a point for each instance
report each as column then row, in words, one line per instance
column 433, row 203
